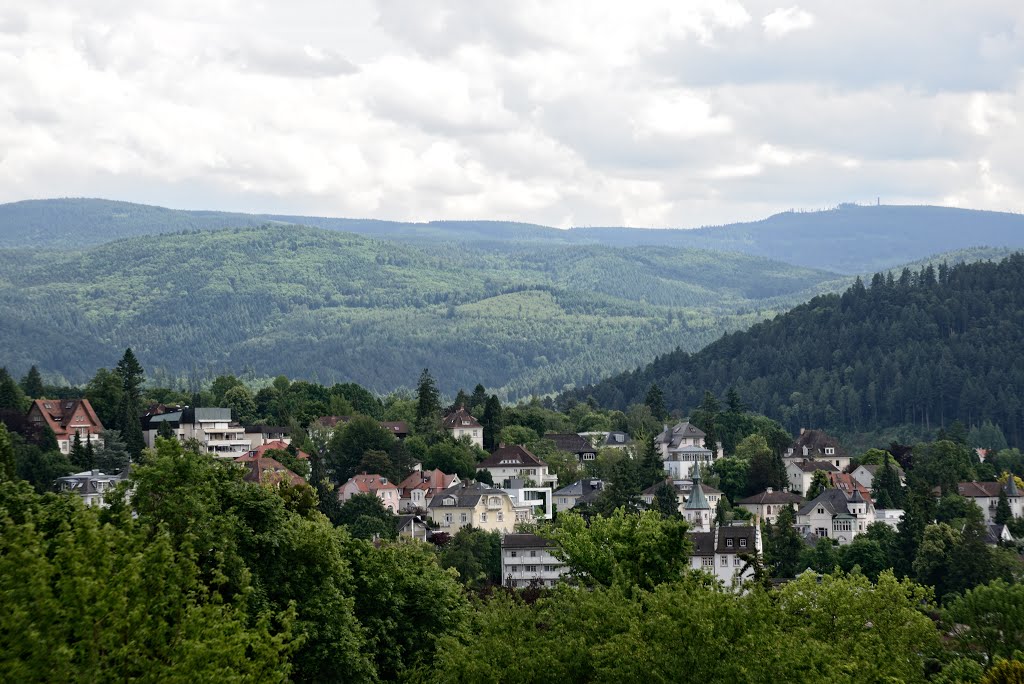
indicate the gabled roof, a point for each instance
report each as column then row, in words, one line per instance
column 275, row 445
column 874, row 468
column 985, row 489
column 849, row 485
column 460, row 418
column 268, row 471
column 773, row 497
column 399, row 428
column 736, row 532
column 674, row 435
column 511, row 457
column 463, row 495
column 59, row 414
column 369, row 483
column 86, row 481
column 834, row 502
column 428, row 480
column 617, row 439
column 570, row 442
column 816, row 441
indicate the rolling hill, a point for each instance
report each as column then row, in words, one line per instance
column 328, row 305
column 916, row 348
column 849, row 239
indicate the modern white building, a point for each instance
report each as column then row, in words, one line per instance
column 211, row 427
column 528, row 560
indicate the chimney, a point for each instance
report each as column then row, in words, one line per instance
column 768, row 491
column 803, row 430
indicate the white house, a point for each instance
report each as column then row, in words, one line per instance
column 683, row 489
column 460, row 424
column 67, row 418
column 865, row 474
column 537, row 500
column 768, row 504
column 682, row 449
column 516, row 462
column 834, row 516
column 420, row 486
column 211, row 427
column 820, row 446
column 801, row 472
column 720, row 552
column 366, row 483
column 986, row 495
column 91, row 485
column 528, row 560
column 259, row 435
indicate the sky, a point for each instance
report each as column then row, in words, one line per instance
column 574, row 113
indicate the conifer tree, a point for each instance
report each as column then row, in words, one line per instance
column 78, row 457
column 428, row 403
column 655, row 401
column 666, row 501
column 887, row 490
column 651, row 465
column 1003, row 512
column 32, row 384
column 11, row 396
column 129, row 410
column 7, row 464
column 492, row 422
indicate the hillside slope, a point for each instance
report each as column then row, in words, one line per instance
column 331, row 306
column 850, row 239
column 922, row 349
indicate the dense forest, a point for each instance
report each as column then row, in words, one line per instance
column 920, row 348
column 332, row 306
column 849, row 239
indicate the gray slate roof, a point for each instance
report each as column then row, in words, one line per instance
column 465, row 495
column 833, row 500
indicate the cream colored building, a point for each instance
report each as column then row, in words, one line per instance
column 460, row 424
column 475, row 504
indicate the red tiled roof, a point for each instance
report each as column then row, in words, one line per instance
column 370, row 482
column 429, row 480
column 267, row 471
column 275, row 445
column 59, row 415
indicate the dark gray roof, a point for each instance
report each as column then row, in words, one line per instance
column 674, row 435
column 618, row 439
column 464, row 495
column 510, row 456
column 873, row 469
column 581, row 487
column 704, row 542
column 773, row 497
column 816, row 442
column 525, row 541
column 833, row 500
column 696, row 501
column 570, row 442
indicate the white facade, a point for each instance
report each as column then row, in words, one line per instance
column 91, row 485
column 719, row 552
column 834, row 516
column 527, row 559
column 801, row 472
column 211, row 427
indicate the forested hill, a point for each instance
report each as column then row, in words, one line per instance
column 922, row 348
column 850, row 239
column 331, row 306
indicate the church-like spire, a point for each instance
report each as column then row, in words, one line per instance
column 1011, row 486
column 697, row 501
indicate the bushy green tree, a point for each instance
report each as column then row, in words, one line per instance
column 819, row 483
column 476, row 555
column 783, row 546
column 11, row 396
column 8, row 464
column 351, row 441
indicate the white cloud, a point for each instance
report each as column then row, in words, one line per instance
column 658, row 112
column 786, row 20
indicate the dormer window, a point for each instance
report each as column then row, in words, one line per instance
column 48, row 406
column 728, row 543
column 449, row 501
column 743, row 543
column 829, row 451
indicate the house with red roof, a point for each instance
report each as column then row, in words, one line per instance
column 277, row 445
column 268, row 471
column 67, row 418
column 371, row 483
column 416, row 490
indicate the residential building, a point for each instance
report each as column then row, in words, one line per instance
column 268, row 471
column 474, row 504
column 412, row 527
column 574, row 444
column 276, row 445
column 398, row 428
column 211, row 427
column 460, row 424
column 416, row 490
column 579, row 492
column 889, row 516
column 516, row 461
column 537, row 500
column 997, row 535
column 768, row 504
column 67, row 418
column 258, row 435
column 831, row 514
column 865, row 474
column 846, row 482
column 986, row 495
column 367, row 483
column 801, row 472
column 723, row 551
column 91, row 485
column 528, row 560
column 820, row 446
column 683, row 490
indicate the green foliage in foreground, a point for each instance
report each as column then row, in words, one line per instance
column 288, row 299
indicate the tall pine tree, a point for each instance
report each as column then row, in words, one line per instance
column 129, row 410
column 655, row 401
column 492, row 422
column 11, row 396
column 32, row 384
column 428, row 403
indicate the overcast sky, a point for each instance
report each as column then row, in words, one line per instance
column 636, row 113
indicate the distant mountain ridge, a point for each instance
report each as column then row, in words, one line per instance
column 850, row 239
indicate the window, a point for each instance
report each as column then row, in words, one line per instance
column 512, row 554
column 533, row 554
column 483, row 517
column 448, row 518
column 563, row 500
column 549, row 568
column 725, row 561
column 531, row 568
column 501, row 517
column 743, row 543
column 708, row 562
column 829, row 451
column 463, row 517
column 476, row 433
column 821, row 511
column 728, row 543
column 736, row 562
column 821, row 532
